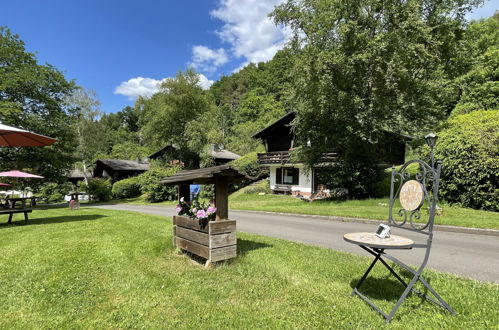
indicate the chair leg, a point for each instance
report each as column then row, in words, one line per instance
column 402, row 297
column 436, row 295
column 378, row 257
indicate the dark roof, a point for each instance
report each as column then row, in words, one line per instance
column 205, row 175
column 286, row 119
column 124, row 165
column 161, row 151
column 224, row 154
column 215, row 153
column 77, row 174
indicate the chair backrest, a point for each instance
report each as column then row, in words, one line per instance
column 409, row 194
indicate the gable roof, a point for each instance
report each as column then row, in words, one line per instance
column 224, row 154
column 205, row 175
column 284, row 120
column 217, row 153
column 124, row 165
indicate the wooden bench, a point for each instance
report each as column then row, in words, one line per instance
column 11, row 212
column 279, row 188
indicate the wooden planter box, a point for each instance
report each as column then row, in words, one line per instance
column 215, row 242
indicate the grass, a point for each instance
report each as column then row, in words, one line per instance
column 368, row 209
column 96, row 268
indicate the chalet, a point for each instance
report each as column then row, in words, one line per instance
column 293, row 178
column 220, row 156
column 118, row 169
column 76, row 175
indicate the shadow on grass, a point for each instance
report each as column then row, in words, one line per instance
column 380, row 288
column 53, row 220
column 245, row 246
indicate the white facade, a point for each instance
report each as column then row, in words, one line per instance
column 304, row 186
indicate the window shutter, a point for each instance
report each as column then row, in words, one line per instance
column 278, row 175
column 296, row 175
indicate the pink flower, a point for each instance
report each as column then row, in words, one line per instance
column 178, row 208
column 201, row 214
column 211, row 209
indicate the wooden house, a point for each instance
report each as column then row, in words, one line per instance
column 293, row 178
column 118, row 169
column 172, row 153
column 74, row 176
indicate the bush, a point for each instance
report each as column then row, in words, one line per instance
column 98, row 189
column 249, row 165
column 261, row 187
column 468, row 145
column 153, row 190
column 126, row 188
column 52, row 192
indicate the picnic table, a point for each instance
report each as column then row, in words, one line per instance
column 11, row 207
column 11, row 201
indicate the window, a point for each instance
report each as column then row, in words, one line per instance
column 287, row 175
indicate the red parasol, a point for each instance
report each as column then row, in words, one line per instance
column 16, row 137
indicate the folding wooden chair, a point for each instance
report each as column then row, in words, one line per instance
column 412, row 193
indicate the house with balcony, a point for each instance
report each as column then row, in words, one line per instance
column 294, row 178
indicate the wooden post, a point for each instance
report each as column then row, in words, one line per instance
column 222, row 197
column 184, row 191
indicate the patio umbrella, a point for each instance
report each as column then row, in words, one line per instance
column 19, row 174
column 16, row 137
column 4, row 184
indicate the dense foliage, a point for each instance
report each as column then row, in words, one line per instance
column 126, row 188
column 469, row 148
column 352, row 71
column 99, row 189
column 152, row 189
column 53, row 192
column 32, row 98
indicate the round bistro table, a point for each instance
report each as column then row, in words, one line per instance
column 373, row 241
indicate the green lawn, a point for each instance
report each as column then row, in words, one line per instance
column 95, row 268
column 368, row 209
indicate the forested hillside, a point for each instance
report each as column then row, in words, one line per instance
column 349, row 73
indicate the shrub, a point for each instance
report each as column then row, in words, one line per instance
column 98, row 189
column 249, row 165
column 153, row 190
column 126, row 188
column 52, row 192
column 469, row 148
column 260, row 187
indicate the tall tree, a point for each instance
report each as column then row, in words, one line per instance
column 368, row 65
column 32, row 97
column 166, row 115
column 85, row 107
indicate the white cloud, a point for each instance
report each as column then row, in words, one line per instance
column 139, row 86
column 204, row 82
column 146, row 87
column 248, row 30
column 208, row 60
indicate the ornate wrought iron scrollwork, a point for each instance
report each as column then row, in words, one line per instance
column 426, row 175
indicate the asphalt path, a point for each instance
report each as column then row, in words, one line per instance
column 468, row 255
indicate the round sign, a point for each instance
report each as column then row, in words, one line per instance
column 411, row 195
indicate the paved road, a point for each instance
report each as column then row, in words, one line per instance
column 468, row 255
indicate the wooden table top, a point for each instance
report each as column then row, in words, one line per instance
column 370, row 239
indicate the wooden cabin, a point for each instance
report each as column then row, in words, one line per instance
column 118, row 169
column 293, row 178
column 172, row 153
column 74, row 176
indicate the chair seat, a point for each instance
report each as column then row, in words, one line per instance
column 371, row 240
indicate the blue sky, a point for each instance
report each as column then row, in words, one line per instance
column 122, row 49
